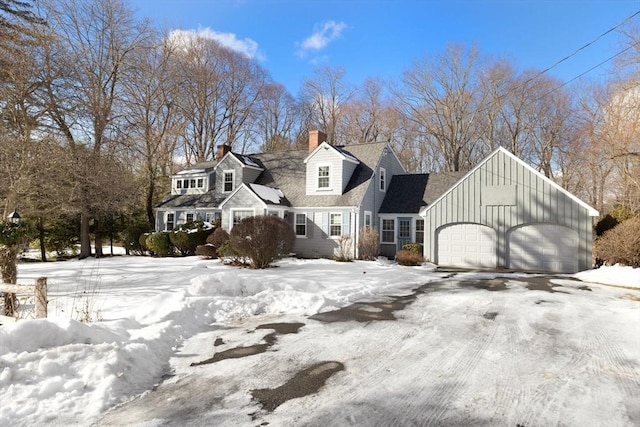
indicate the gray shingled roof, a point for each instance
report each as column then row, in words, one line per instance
column 409, row 193
column 286, row 170
column 206, row 200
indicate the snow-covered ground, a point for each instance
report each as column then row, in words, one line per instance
column 457, row 354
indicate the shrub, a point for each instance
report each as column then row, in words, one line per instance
column 143, row 241
column 368, row 246
column 413, row 247
column 132, row 236
column 262, row 239
column 159, row 243
column 187, row 237
column 207, row 251
column 621, row 244
column 218, row 237
column 61, row 235
column 406, row 257
column 344, row 251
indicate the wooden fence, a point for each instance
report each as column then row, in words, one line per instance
column 39, row 290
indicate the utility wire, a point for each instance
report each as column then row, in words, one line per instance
column 584, row 47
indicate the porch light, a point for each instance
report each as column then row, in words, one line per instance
column 14, row 217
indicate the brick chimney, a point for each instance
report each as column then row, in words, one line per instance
column 222, row 150
column 316, row 138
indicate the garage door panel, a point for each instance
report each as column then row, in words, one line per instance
column 466, row 245
column 544, row 247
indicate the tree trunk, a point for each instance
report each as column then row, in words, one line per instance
column 43, row 251
column 9, row 275
column 149, row 203
column 98, row 238
column 85, row 239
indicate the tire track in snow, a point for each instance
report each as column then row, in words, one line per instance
column 618, row 363
column 423, row 404
column 543, row 407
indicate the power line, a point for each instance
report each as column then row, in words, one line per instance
column 627, row 19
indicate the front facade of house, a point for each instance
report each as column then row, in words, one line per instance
column 501, row 214
column 325, row 192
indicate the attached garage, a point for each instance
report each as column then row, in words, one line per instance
column 504, row 213
column 466, row 245
column 543, row 247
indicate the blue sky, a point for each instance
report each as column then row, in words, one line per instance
column 381, row 38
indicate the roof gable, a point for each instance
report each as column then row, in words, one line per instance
column 340, row 151
column 512, row 157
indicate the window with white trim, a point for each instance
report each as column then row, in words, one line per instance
column 388, row 230
column 228, row 181
column 189, row 217
column 179, row 184
column 324, row 180
column 200, row 182
column 383, row 179
column 186, row 183
column 335, row 224
column 170, row 223
column 367, row 219
column 420, row 231
column 301, row 225
column 192, row 183
column 239, row 215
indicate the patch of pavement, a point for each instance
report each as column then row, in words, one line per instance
column 304, row 383
column 269, row 340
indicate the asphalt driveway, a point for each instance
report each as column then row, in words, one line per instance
column 518, row 350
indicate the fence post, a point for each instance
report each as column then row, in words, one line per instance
column 41, row 297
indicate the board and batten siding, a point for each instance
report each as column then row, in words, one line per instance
column 504, row 193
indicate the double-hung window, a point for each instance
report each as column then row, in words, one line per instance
column 388, row 230
column 200, row 182
column 420, row 231
column 179, row 184
column 189, row 217
column 170, row 221
column 335, row 224
column 301, row 225
column 239, row 215
column 383, row 179
column 324, row 177
column 228, row 181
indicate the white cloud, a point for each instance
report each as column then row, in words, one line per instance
column 245, row 46
column 323, row 34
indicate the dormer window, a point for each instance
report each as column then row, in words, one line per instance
column 179, row 184
column 383, row 179
column 228, row 181
column 324, row 177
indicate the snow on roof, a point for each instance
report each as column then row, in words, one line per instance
column 190, row 171
column 249, row 161
column 268, row 194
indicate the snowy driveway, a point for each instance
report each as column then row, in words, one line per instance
column 464, row 350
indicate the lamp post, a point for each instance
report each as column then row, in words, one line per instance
column 13, row 236
column 14, row 217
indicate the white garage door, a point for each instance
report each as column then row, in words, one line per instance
column 467, row 245
column 544, row 247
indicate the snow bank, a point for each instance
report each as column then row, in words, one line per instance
column 617, row 275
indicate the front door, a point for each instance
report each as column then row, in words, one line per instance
column 404, row 232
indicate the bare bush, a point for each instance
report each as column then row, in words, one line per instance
column 405, row 257
column 621, row 244
column 262, row 239
column 344, row 252
column 207, row 251
column 368, row 245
